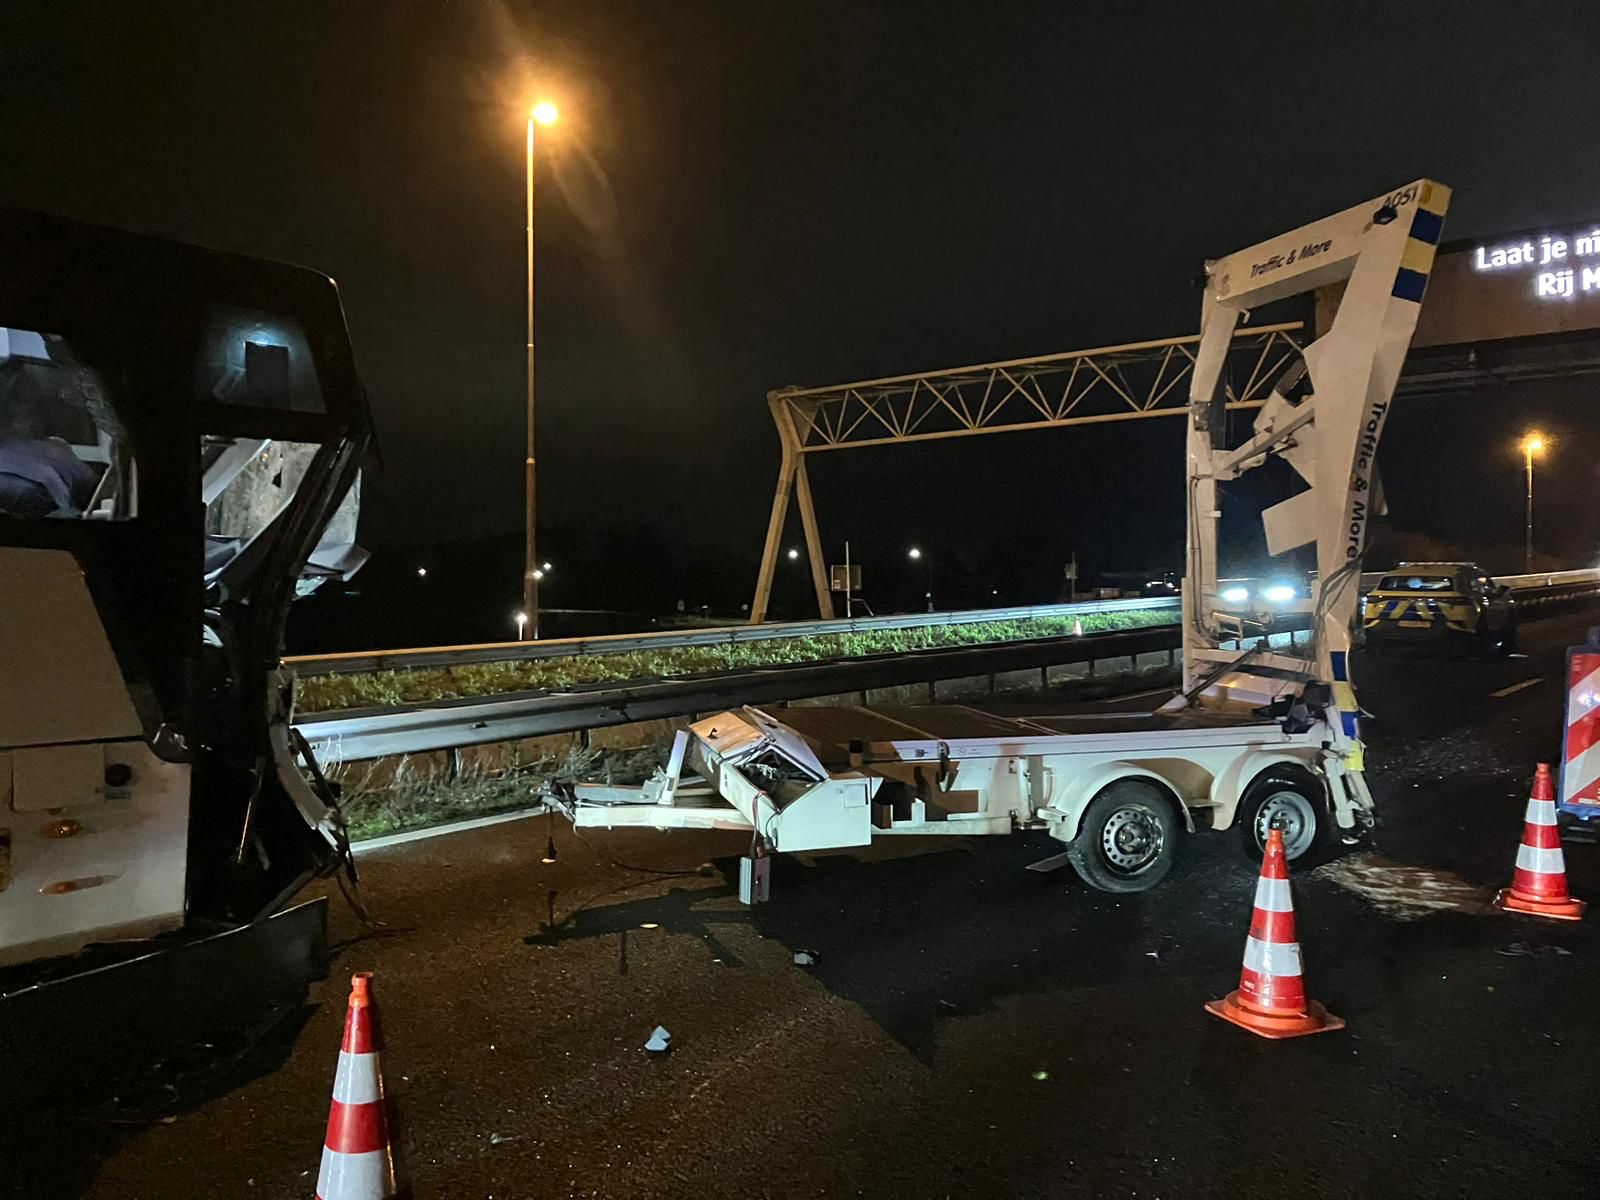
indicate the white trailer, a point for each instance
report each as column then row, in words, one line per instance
column 1257, row 737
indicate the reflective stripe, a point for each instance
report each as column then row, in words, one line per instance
column 1582, row 770
column 1426, row 226
column 1541, row 812
column 1344, row 696
column 1417, row 256
column 357, row 1081
column 1540, row 861
column 1579, row 696
column 1272, row 958
column 355, row 1176
column 1272, row 895
column 1409, row 285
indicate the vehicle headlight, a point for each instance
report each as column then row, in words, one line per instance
column 1278, row 593
column 1234, row 595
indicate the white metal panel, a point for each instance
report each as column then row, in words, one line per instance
column 59, row 681
column 834, row 813
column 106, row 868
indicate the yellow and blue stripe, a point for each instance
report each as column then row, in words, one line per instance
column 1344, row 695
column 1422, row 242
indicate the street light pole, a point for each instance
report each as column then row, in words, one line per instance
column 540, row 114
column 915, row 554
column 1532, row 444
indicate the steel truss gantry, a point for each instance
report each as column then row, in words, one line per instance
column 1052, row 391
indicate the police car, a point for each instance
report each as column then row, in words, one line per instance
column 1439, row 603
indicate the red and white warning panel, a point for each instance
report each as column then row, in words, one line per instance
column 1580, row 747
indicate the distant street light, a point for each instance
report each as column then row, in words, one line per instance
column 522, row 624
column 422, row 572
column 793, row 554
column 543, row 113
column 1532, row 444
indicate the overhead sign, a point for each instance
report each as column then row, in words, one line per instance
column 1557, row 259
column 1515, row 286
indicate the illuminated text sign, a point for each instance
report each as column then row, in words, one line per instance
column 1556, row 264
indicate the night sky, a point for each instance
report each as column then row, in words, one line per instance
column 747, row 195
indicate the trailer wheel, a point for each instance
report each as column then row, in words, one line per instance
column 1298, row 806
column 1127, row 839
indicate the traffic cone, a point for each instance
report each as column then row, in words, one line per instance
column 1271, row 997
column 357, row 1162
column 1539, row 885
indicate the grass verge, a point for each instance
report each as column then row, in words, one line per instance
column 331, row 693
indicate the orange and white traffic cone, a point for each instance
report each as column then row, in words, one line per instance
column 1271, row 997
column 1539, row 885
column 357, row 1161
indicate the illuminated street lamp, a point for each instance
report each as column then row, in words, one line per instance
column 522, row 623
column 793, row 554
column 1532, row 444
column 546, row 114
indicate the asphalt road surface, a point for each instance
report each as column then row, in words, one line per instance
column 969, row 1028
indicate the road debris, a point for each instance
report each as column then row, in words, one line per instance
column 1524, row 950
column 805, row 958
column 660, row 1041
column 1404, row 892
column 1041, row 1076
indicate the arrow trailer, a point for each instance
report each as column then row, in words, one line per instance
column 1256, row 737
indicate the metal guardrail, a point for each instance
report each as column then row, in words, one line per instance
column 446, row 724
column 367, row 661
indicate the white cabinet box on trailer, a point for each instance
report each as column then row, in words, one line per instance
column 1257, row 737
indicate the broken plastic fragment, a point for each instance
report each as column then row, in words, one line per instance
column 805, row 958
column 660, row 1041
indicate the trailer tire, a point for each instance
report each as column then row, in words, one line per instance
column 1128, row 837
column 1297, row 803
